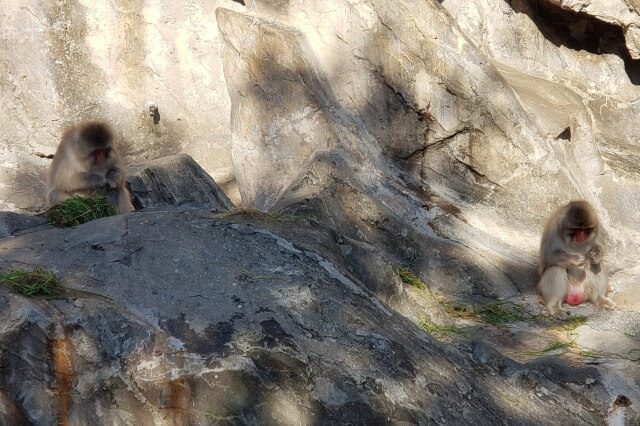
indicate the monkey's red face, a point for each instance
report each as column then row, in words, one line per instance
column 100, row 155
column 580, row 235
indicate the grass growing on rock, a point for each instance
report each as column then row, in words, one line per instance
column 78, row 210
column 408, row 278
column 502, row 312
column 571, row 323
column 32, row 283
column 492, row 313
column 439, row 331
column 557, row 346
column 260, row 215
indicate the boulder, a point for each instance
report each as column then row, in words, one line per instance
column 180, row 317
column 176, row 181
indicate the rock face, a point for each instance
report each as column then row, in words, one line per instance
column 375, row 135
column 176, row 181
column 66, row 62
column 621, row 13
column 441, row 137
column 400, row 131
column 176, row 317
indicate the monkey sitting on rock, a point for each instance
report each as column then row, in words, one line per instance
column 87, row 162
column 571, row 259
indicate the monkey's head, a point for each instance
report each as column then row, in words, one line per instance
column 96, row 141
column 580, row 223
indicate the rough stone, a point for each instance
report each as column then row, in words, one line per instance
column 379, row 135
column 181, row 318
column 12, row 223
column 176, row 181
column 441, row 138
column 617, row 12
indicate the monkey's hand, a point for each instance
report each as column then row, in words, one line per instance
column 595, row 255
column 113, row 179
column 94, row 180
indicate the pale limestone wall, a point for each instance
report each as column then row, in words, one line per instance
column 63, row 62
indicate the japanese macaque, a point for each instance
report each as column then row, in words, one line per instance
column 87, row 163
column 571, row 259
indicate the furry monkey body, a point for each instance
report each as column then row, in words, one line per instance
column 86, row 163
column 571, row 254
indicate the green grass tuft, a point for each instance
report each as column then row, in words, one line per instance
column 32, row 283
column 408, row 278
column 501, row 312
column 78, row 210
column 439, row 330
column 260, row 215
column 571, row 323
column 492, row 313
column 565, row 346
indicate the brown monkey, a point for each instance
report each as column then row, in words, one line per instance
column 571, row 253
column 87, row 162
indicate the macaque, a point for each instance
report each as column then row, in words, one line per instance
column 571, row 254
column 88, row 163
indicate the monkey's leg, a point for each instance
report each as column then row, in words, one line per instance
column 124, row 201
column 599, row 284
column 55, row 196
column 553, row 287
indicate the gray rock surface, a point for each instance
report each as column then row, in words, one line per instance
column 177, row 317
column 13, row 223
column 622, row 13
column 176, row 181
column 441, row 137
column 379, row 134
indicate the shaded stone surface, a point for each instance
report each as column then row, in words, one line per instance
column 176, row 317
column 379, row 135
column 440, row 138
column 176, row 181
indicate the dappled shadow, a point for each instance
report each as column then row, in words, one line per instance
column 274, row 328
column 383, row 175
column 200, row 331
column 322, row 181
column 27, row 192
column 578, row 31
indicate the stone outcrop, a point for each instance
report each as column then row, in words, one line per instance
column 176, row 181
column 372, row 136
column 179, row 317
column 621, row 13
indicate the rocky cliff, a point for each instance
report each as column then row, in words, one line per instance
column 376, row 145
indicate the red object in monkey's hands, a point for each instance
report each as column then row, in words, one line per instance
column 575, row 298
column 100, row 157
column 580, row 235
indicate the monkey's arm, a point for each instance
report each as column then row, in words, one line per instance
column 564, row 259
column 68, row 184
column 81, row 182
